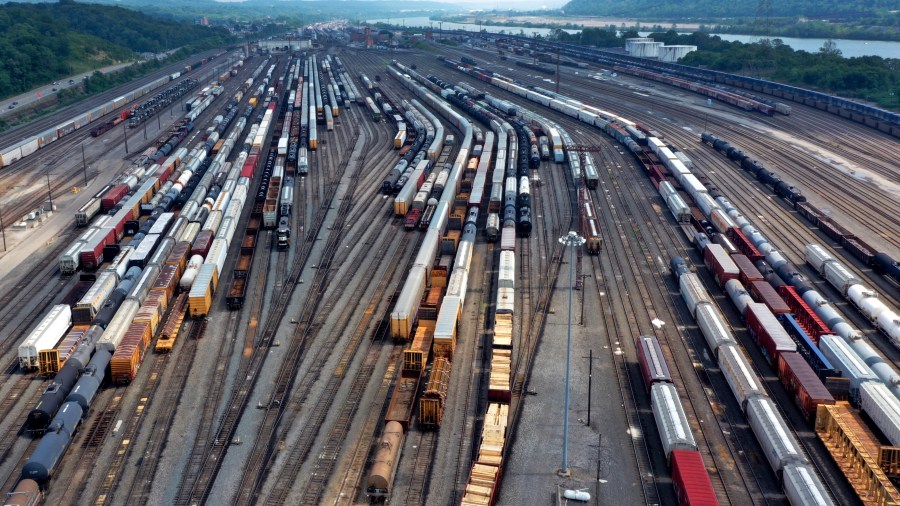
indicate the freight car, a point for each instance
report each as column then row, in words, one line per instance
column 379, row 483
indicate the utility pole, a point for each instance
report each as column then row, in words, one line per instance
column 3, row 229
column 125, row 132
column 572, row 241
column 84, row 164
column 50, row 191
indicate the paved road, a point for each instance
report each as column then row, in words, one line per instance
column 50, row 89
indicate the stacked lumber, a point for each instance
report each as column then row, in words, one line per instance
column 482, row 485
column 503, row 331
column 501, row 372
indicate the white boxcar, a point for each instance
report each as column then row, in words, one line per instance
column 839, row 276
column 740, row 376
column 457, row 284
column 845, row 360
column 883, row 408
column 713, row 327
column 705, row 203
column 671, row 422
column 816, row 255
column 773, row 434
column 117, row 327
column 445, row 327
column 679, row 208
column 506, row 283
column 407, row 306
column 803, row 487
column 70, row 260
column 692, row 291
column 218, row 253
column 45, row 336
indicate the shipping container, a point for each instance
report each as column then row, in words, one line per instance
column 763, row 292
column 748, row 271
column 202, row 290
column 802, row 384
column 691, row 480
column 720, row 262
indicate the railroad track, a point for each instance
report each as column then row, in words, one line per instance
column 327, row 454
column 198, row 484
column 10, row 401
column 652, row 288
column 264, row 447
column 142, row 482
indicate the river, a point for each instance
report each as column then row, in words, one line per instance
column 849, row 48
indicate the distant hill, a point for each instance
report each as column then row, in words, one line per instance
column 42, row 42
column 838, row 10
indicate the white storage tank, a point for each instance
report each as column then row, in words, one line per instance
column 645, row 49
column 672, row 54
column 629, row 43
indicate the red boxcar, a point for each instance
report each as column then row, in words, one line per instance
column 768, row 332
column 249, row 167
column 743, row 244
column 691, row 480
column 202, row 243
column 113, row 196
column 749, row 272
column 720, row 262
column 763, row 292
column 803, row 384
column 653, row 365
column 805, row 316
column 164, row 170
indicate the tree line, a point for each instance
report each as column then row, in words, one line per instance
column 46, row 42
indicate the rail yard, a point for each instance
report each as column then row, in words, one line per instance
column 341, row 276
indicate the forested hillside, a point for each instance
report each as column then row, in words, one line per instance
column 48, row 41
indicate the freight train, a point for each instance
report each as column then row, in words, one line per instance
column 884, row 120
column 880, row 261
column 25, row 147
column 780, row 447
column 124, row 309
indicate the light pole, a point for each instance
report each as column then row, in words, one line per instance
column 571, row 240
